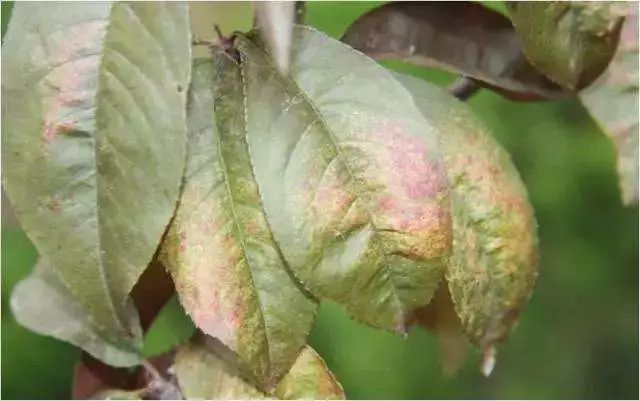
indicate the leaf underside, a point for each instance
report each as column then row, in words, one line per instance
column 42, row 304
column 613, row 102
column 493, row 266
column 571, row 42
column 228, row 270
column 461, row 37
column 352, row 184
column 93, row 140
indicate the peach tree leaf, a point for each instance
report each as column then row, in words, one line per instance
column 309, row 378
column 205, row 370
column 613, row 102
column 93, row 140
column 42, row 304
column 493, row 266
column 352, row 184
column 228, row 270
column 571, row 42
column 462, row 37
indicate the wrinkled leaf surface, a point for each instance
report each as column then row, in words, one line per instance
column 494, row 263
column 350, row 176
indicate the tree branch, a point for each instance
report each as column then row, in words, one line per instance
column 463, row 88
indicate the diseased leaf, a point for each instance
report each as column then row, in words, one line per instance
column 613, row 102
column 440, row 317
column 352, row 184
column 204, row 371
column 42, row 304
column 494, row 263
column 275, row 21
column 571, row 42
column 94, row 138
column 461, row 37
column 309, row 378
column 227, row 268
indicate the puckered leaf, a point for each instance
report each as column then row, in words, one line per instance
column 462, row 37
column 613, row 102
column 227, row 268
column 93, row 139
column 571, row 42
column 350, row 176
column 42, row 304
column 494, row 263
column 204, row 371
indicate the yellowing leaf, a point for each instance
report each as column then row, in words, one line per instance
column 228, row 270
column 494, row 263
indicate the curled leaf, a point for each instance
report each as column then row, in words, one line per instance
column 352, row 183
column 44, row 305
column 571, row 42
column 494, row 263
column 93, row 140
column 227, row 268
column 613, row 102
column 462, row 37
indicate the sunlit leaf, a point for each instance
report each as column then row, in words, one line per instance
column 613, row 102
column 571, row 42
column 350, row 176
column 227, row 268
column 93, row 140
column 42, row 304
column 204, row 370
column 461, row 37
column 494, row 263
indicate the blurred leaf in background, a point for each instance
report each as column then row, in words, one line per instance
column 577, row 338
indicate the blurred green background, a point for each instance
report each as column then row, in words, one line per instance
column 578, row 337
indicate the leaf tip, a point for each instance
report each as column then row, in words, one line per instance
column 488, row 361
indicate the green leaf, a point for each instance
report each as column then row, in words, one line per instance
column 226, row 266
column 571, row 42
column 613, row 102
column 461, row 37
column 170, row 328
column 352, row 183
column 204, row 369
column 309, row 378
column 494, row 263
column 42, row 304
column 93, row 140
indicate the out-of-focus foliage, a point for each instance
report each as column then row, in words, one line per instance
column 578, row 337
